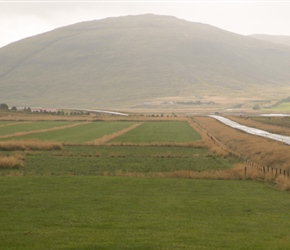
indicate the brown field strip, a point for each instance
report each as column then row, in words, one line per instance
column 113, row 135
column 261, row 151
column 275, row 129
column 206, row 140
column 42, row 130
column 14, row 123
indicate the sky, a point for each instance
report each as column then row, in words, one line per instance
column 20, row 19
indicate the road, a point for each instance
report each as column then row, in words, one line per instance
column 254, row 131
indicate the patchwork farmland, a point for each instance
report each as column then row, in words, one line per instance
column 135, row 184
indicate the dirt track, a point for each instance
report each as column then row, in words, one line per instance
column 113, row 135
column 41, row 130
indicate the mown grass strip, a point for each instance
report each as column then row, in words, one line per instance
column 141, row 213
column 79, row 134
column 31, row 126
column 163, row 131
column 6, row 123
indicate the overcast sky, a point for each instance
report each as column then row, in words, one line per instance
column 20, row 19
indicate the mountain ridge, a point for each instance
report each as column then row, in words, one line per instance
column 126, row 61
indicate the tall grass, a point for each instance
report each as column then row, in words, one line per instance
column 29, row 145
column 282, row 183
column 275, row 125
column 261, row 151
column 11, row 162
column 207, row 142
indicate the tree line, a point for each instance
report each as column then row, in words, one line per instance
column 5, row 107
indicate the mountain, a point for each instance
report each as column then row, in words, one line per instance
column 127, row 61
column 284, row 40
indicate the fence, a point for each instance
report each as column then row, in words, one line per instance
column 261, row 170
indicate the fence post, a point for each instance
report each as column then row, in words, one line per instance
column 245, row 173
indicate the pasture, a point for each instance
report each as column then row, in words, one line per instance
column 284, row 106
column 80, row 212
column 113, row 160
column 118, row 194
column 81, row 133
column 160, row 131
column 18, row 127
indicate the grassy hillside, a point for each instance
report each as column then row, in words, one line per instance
column 126, row 61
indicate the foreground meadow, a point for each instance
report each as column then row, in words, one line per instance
column 83, row 213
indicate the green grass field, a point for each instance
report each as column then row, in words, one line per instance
column 166, row 131
column 284, row 106
column 97, row 160
column 31, row 126
column 140, row 213
column 81, row 198
column 2, row 123
column 79, row 134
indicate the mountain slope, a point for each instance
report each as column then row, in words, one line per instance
column 122, row 62
column 284, row 40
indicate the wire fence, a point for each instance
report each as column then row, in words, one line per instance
column 261, row 171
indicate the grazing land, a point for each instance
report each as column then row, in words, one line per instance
column 80, row 212
column 150, row 132
column 4, row 123
column 78, row 134
column 104, row 185
column 115, row 160
column 30, row 126
column 284, row 106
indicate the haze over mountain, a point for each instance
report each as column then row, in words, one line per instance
column 284, row 40
column 126, row 61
